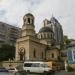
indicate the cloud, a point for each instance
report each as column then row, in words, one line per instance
column 2, row 12
column 14, row 8
column 12, row 12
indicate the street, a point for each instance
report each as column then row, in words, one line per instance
column 60, row 73
column 64, row 73
column 57, row 73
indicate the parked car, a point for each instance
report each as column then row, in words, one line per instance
column 2, row 69
column 12, row 69
column 36, row 67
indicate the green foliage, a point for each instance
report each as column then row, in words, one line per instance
column 66, row 40
column 7, row 52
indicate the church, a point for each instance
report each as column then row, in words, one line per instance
column 39, row 46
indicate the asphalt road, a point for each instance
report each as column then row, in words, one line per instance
column 57, row 73
column 64, row 73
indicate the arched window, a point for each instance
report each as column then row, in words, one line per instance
column 48, row 35
column 41, row 36
column 34, row 53
column 44, row 35
column 42, row 55
column 28, row 20
column 52, row 55
column 51, row 35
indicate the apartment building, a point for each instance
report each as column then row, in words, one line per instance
column 8, row 34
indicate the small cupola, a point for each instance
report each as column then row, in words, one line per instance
column 28, row 28
column 28, row 19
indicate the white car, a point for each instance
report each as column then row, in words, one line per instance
column 36, row 67
column 12, row 70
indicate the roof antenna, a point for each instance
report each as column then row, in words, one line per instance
column 52, row 13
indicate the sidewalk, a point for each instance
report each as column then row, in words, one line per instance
column 64, row 73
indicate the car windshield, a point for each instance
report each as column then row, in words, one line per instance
column 11, row 69
column 44, row 65
column 31, row 64
column 27, row 64
column 35, row 65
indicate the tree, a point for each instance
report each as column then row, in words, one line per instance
column 66, row 40
column 7, row 52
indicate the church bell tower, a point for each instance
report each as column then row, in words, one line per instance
column 28, row 25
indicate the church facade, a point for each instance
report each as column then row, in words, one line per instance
column 33, row 46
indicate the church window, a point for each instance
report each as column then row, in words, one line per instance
column 28, row 20
column 34, row 53
column 41, row 35
column 52, row 55
column 51, row 35
column 48, row 36
column 44, row 35
column 42, row 55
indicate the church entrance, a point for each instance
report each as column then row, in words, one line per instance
column 22, row 54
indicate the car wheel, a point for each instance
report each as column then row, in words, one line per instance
column 16, row 73
column 28, row 71
column 45, row 72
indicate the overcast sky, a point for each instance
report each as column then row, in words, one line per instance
column 12, row 12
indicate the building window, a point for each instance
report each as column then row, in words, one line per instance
column 28, row 20
column 48, row 36
column 42, row 55
column 74, row 55
column 52, row 55
column 32, row 21
column 41, row 36
column 51, row 36
column 44, row 35
column 34, row 53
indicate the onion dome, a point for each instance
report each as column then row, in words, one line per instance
column 45, row 29
column 29, row 14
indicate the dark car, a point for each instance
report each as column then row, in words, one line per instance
column 2, row 69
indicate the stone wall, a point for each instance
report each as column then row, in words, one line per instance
column 9, row 64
